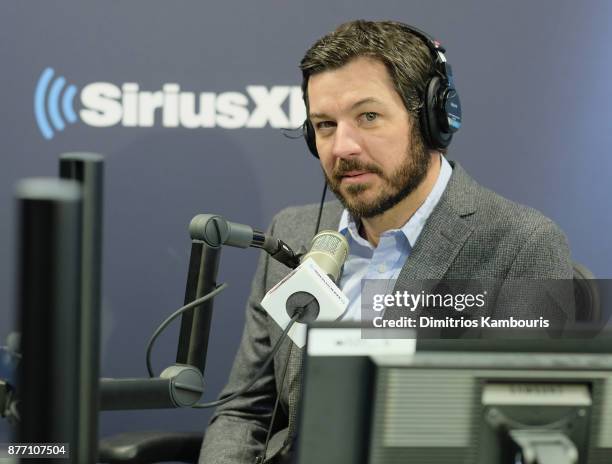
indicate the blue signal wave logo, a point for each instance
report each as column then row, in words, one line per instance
column 50, row 99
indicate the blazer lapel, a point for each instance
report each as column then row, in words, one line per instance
column 444, row 234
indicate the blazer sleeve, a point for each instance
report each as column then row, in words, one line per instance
column 237, row 430
column 540, row 279
column 545, row 254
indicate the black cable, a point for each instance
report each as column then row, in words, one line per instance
column 321, row 208
column 173, row 316
column 259, row 373
column 262, row 456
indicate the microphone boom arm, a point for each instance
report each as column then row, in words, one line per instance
column 216, row 231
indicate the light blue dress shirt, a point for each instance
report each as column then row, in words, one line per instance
column 386, row 260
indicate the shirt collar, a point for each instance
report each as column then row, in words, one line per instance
column 413, row 227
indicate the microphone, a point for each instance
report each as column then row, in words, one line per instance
column 310, row 290
column 216, row 231
column 329, row 250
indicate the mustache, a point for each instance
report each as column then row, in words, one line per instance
column 347, row 165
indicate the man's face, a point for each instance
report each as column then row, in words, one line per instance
column 371, row 153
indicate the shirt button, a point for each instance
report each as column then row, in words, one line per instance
column 382, row 268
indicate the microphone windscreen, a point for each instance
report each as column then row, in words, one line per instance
column 329, row 249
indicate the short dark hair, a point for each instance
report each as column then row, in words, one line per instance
column 407, row 58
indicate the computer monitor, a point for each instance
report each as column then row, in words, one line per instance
column 382, row 401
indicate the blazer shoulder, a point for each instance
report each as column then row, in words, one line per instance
column 532, row 244
column 294, row 218
column 496, row 211
column 292, row 214
column 508, row 239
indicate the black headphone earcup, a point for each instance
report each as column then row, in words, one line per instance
column 309, row 136
column 424, row 119
column 434, row 136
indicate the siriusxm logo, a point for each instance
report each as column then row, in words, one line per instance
column 105, row 104
column 47, row 95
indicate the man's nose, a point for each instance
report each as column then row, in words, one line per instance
column 347, row 142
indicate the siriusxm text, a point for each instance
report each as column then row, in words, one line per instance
column 106, row 104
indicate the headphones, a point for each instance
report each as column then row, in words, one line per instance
column 440, row 115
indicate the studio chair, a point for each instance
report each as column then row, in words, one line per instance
column 586, row 294
column 150, row 447
column 159, row 447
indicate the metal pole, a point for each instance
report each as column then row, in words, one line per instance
column 49, row 267
column 195, row 324
column 88, row 170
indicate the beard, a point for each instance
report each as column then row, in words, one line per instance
column 396, row 185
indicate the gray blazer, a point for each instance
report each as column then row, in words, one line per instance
column 472, row 233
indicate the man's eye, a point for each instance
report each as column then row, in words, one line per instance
column 324, row 125
column 370, row 116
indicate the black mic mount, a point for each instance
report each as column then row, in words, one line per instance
column 177, row 387
column 209, row 232
column 182, row 384
column 216, row 231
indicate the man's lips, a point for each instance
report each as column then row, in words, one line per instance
column 353, row 177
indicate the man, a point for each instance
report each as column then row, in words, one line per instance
column 407, row 212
